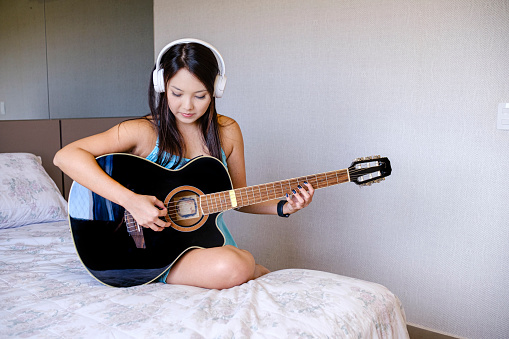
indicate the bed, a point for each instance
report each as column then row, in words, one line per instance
column 47, row 293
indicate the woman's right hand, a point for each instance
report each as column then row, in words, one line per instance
column 147, row 211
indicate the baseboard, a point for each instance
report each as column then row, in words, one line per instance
column 416, row 332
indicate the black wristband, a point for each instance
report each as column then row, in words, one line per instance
column 280, row 205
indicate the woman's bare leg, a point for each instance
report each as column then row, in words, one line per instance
column 217, row 267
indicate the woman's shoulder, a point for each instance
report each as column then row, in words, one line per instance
column 143, row 123
column 227, row 124
column 141, row 132
column 231, row 135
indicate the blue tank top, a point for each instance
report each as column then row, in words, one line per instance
column 220, row 222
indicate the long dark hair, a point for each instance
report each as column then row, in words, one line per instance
column 201, row 62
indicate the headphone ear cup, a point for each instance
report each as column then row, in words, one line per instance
column 219, row 85
column 158, row 80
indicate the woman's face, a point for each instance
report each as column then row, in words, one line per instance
column 187, row 97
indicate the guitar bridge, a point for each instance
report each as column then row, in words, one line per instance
column 135, row 231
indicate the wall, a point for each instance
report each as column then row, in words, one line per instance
column 75, row 58
column 315, row 84
column 23, row 73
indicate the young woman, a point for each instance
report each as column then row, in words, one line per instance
column 183, row 124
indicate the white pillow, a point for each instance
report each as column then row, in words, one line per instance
column 27, row 193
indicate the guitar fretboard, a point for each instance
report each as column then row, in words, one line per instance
column 240, row 197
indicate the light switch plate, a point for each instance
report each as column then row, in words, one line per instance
column 503, row 116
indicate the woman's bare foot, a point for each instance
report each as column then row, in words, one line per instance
column 259, row 271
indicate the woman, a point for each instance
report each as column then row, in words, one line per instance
column 183, row 124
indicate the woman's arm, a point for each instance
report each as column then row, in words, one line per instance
column 234, row 148
column 77, row 160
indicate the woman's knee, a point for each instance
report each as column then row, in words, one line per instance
column 235, row 266
column 217, row 267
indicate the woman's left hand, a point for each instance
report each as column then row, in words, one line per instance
column 301, row 197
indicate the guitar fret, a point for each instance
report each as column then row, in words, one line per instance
column 211, row 203
column 215, row 201
column 245, row 196
column 218, row 201
column 199, row 204
column 242, row 191
column 223, row 201
column 227, row 200
column 247, row 189
column 205, row 204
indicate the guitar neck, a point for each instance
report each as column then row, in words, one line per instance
column 246, row 196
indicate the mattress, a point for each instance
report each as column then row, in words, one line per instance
column 47, row 293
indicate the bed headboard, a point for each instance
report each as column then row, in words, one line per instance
column 45, row 137
column 40, row 137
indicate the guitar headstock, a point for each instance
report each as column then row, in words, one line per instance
column 368, row 170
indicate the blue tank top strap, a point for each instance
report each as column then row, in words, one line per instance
column 223, row 158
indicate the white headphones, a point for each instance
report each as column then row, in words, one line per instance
column 158, row 74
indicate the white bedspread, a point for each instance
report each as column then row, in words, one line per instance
column 47, row 293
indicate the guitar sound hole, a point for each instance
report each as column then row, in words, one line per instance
column 184, row 212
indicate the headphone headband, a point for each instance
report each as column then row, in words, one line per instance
column 158, row 74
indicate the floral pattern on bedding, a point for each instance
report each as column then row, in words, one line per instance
column 47, row 293
column 27, row 194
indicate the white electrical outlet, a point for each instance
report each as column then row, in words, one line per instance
column 503, row 116
column 2, row 107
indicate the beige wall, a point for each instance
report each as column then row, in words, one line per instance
column 75, row 59
column 315, row 84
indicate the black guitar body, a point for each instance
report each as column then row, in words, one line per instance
column 99, row 230
column 119, row 253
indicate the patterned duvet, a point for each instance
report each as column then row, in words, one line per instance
column 47, row 293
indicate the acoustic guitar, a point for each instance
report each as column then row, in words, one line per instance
column 118, row 252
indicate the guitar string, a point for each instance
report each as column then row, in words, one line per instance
column 225, row 202
column 222, row 200
column 320, row 178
